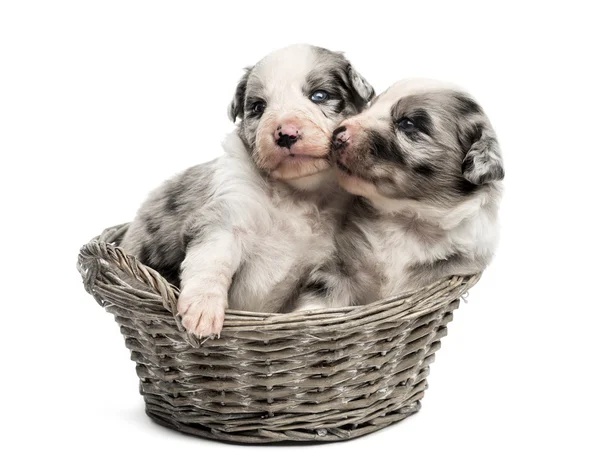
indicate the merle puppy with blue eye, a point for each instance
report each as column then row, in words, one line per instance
column 424, row 163
column 244, row 230
column 288, row 133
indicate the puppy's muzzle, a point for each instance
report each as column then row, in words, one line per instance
column 339, row 141
column 341, row 138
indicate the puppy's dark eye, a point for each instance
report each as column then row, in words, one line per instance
column 319, row 96
column 406, row 124
column 258, row 108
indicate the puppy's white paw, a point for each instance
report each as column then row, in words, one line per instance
column 202, row 313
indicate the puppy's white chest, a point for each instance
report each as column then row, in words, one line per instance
column 297, row 235
column 392, row 253
column 300, row 232
column 398, row 246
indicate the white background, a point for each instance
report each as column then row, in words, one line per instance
column 101, row 101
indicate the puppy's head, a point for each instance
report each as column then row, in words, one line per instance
column 421, row 142
column 290, row 102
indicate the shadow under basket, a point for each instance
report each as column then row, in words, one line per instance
column 317, row 375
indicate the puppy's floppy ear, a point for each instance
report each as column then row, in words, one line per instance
column 364, row 91
column 236, row 107
column 483, row 161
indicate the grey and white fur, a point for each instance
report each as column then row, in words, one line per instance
column 244, row 230
column 425, row 165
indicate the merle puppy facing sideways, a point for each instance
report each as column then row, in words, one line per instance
column 425, row 163
column 243, row 230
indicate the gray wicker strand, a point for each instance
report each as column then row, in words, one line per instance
column 315, row 375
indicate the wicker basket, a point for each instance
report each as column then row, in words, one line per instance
column 316, row 375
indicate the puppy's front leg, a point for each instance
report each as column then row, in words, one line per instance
column 206, row 275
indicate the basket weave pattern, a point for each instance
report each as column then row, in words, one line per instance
column 315, row 375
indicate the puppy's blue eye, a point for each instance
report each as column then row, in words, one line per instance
column 406, row 124
column 319, row 96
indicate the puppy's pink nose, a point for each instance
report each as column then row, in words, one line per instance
column 287, row 135
column 341, row 138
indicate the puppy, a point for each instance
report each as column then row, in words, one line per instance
column 425, row 163
column 244, row 230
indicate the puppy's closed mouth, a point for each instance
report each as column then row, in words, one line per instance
column 300, row 156
column 345, row 171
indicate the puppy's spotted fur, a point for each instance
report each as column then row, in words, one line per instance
column 244, row 230
column 425, row 164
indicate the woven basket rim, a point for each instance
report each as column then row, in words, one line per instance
column 105, row 247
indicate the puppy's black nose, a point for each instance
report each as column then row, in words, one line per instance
column 340, row 137
column 286, row 140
